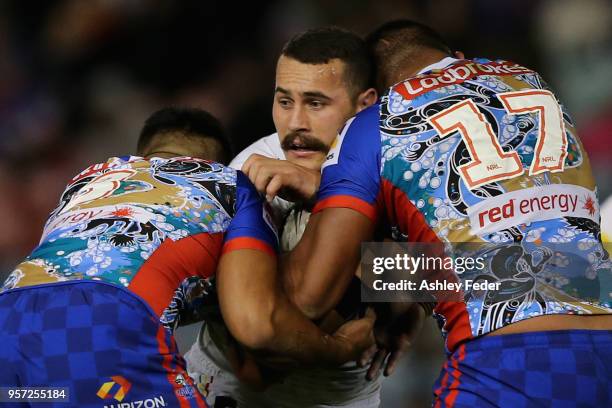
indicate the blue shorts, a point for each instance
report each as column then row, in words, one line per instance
column 98, row 340
column 569, row 368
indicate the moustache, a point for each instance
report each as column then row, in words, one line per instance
column 302, row 141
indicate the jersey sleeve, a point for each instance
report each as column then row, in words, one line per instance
column 351, row 173
column 268, row 146
column 252, row 226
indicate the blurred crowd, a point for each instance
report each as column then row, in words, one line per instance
column 78, row 79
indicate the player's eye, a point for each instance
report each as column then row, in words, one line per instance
column 316, row 104
column 285, row 102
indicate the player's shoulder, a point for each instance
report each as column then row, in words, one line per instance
column 268, row 146
column 365, row 121
column 200, row 180
column 359, row 136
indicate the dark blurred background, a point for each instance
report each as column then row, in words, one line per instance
column 78, row 78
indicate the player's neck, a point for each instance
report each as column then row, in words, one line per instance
column 414, row 64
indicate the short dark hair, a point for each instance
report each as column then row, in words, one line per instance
column 320, row 45
column 189, row 121
column 396, row 40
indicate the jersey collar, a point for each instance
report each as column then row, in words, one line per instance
column 443, row 63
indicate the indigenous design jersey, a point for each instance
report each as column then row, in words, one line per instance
column 156, row 227
column 480, row 152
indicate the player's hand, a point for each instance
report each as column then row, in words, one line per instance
column 288, row 180
column 393, row 339
column 355, row 336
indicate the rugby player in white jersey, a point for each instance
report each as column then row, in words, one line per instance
column 322, row 79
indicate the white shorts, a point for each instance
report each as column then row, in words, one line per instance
column 344, row 386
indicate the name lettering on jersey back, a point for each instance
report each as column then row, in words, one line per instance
column 456, row 74
column 531, row 205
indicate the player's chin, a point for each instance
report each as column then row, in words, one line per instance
column 308, row 158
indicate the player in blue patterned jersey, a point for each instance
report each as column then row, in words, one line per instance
column 480, row 152
column 131, row 246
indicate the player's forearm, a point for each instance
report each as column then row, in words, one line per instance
column 316, row 305
column 259, row 315
column 316, row 284
column 311, row 296
column 283, row 332
column 293, row 284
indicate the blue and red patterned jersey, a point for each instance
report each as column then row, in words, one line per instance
column 479, row 152
column 156, row 227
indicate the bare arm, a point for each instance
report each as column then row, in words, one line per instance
column 318, row 292
column 316, row 283
column 260, row 316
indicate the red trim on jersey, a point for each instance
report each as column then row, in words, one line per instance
column 400, row 210
column 169, row 354
column 455, row 373
column 454, row 387
column 438, row 391
column 181, row 367
column 248, row 243
column 164, row 351
column 171, row 263
column 347, row 201
column 457, row 323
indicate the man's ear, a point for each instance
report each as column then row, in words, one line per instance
column 459, row 55
column 366, row 98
